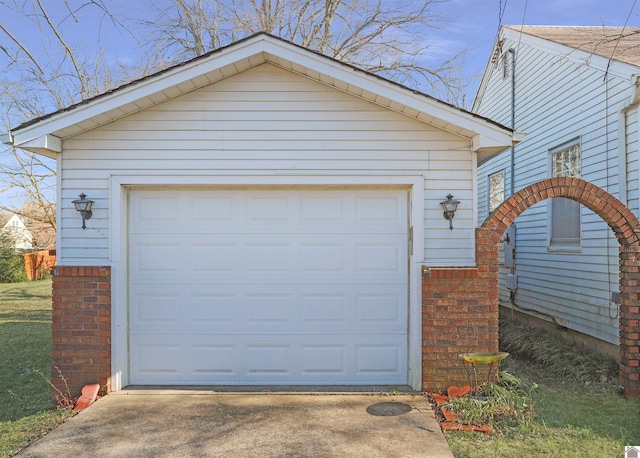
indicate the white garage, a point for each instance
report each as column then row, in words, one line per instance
column 263, row 215
column 268, row 286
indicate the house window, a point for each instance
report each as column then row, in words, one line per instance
column 565, row 213
column 496, row 190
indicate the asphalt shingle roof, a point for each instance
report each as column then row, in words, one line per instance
column 618, row 43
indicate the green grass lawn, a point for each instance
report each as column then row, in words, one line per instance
column 572, row 420
column 25, row 365
column 576, row 415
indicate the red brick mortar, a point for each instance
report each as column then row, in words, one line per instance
column 459, row 315
column 81, row 329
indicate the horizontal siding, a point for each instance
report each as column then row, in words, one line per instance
column 558, row 100
column 267, row 121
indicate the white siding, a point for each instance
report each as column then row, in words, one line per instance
column 557, row 100
column 267, row 121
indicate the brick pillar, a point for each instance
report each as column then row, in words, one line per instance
column 630, row 320
column 459, row 315
column 81, row 329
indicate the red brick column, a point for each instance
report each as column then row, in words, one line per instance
column 459, row 315
column 81, row 329
column 630, row 320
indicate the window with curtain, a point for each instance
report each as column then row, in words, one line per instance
column 565, row 213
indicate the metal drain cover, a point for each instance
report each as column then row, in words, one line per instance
column 389, row 409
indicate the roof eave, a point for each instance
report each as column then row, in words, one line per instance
column 40, row 135
column 488, row 70
column 489, row 148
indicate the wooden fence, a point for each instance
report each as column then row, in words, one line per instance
column 37, row 264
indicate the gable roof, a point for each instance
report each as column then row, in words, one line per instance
column 618, row 43
column 615, row 50
column 44, row 135
column 5, row 218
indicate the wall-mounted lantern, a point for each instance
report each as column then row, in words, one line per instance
column 449, row 206
column 83, row 205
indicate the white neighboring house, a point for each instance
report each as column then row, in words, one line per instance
column 574, row 91
column 14, row 227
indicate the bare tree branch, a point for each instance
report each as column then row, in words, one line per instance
column 16, row 41
column 51, row 76
column 387, row 37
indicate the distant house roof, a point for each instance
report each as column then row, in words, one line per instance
column 618, row 43
column 4, row 218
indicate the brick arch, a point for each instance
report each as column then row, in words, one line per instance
column 626, row 228
column 616, row 214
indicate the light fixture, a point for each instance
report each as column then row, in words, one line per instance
column 449, row 206
column 83, row 205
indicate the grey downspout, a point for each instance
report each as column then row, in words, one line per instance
column 512, row 292
column 513, row 115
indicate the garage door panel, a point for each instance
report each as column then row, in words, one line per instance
column 267, row 256
column 157, row 359
column 157, row 308
column 323, row 209
column 212, row 257
column 329, row 360
column 381, row 211
column 154, row 208
column 268, row 286
column 158, row 256
column 379, row 359
column 223, row 258
column 220, row 209
column 270, row 209
column 381, row 258
column 258, row 309
column 267, row 360
column 214, row 360
column 268, row 309
column 384, row 308
column 251, row 212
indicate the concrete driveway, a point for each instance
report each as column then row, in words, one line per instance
column 170, row 423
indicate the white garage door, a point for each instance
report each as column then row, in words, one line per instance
column 268, row 286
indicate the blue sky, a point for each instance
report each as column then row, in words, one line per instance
column 472, row 24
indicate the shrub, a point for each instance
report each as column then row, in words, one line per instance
column 11, row 262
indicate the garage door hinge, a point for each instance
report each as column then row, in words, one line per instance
column 411, row 240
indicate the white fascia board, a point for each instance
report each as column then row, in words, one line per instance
column 246, row 50
column 6, row 139
column 492, row 144
column 486, row 148
column 46, row 145
column 388, row 90
column 574, row 55
column 486, row 76
column 136, row 91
